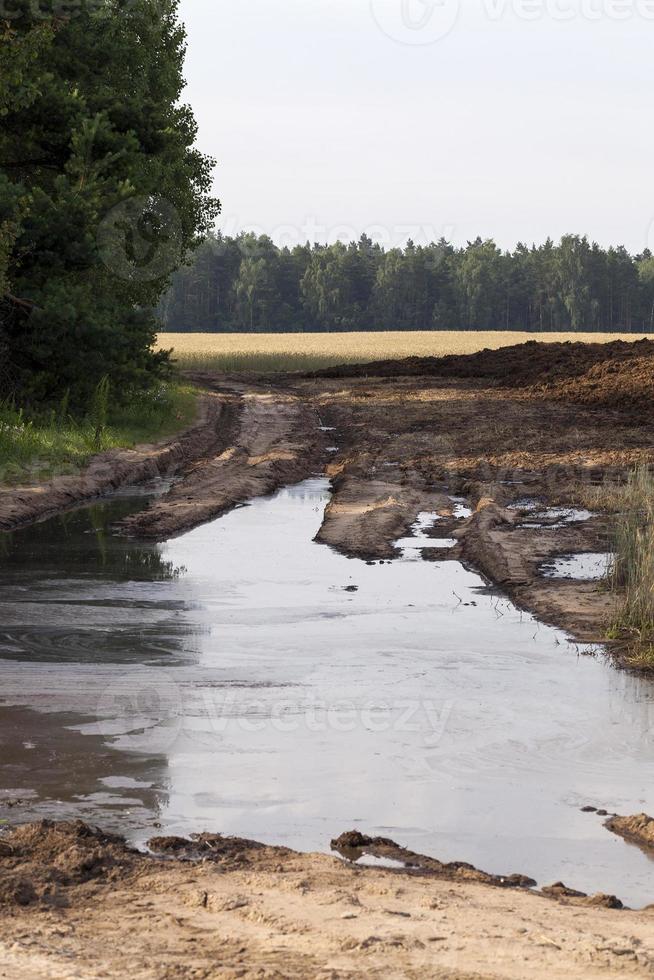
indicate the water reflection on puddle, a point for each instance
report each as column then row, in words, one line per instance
column 412, row 546
column 228, row 681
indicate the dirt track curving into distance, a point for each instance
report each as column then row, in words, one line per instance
column 401, row 438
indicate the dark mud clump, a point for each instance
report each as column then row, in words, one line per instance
column 354, row 845
column 519, row 365
column 227, row 851
column 561, row 892
column 39, row 861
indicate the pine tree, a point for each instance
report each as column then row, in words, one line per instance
column 102, row 193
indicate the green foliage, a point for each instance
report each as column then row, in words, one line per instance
column 36, row 446
column 249, row 284
column 99, row 414
column 102, row 193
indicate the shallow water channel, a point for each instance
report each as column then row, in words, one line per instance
column 233, row 680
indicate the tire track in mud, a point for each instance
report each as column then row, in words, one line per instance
column 275, row 440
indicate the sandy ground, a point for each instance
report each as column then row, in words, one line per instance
column 92, row 909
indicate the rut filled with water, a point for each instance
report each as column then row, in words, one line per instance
column 244, row 679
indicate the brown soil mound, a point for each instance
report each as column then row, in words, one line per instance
column 519, row 366
column 618, row 375
column 227, row 851
column 623, row 384
column 639, row 829
column 39, row 861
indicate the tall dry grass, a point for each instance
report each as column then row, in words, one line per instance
column 631, row 575
column 280, row 352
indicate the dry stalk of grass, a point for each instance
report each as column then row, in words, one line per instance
column 631, row 575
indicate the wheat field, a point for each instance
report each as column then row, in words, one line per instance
column 277, row 352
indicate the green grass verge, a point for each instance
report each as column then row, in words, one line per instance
column 35, row 448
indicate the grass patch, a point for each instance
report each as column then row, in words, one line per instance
column 631, row 575
column 36, row 447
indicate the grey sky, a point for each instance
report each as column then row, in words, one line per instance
column 511, row 119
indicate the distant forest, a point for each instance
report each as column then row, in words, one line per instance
column 248, row 284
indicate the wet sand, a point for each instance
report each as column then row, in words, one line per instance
column 76, row 904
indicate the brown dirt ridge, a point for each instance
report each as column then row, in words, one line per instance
column 638, row 829
column 617, row 374
column 108, row 471
column 273, row 440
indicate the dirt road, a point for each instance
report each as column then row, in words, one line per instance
column 404, row 438
column 511, row 432
column 396, row 441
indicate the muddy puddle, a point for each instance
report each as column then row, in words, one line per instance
column 589, row 567
column 244, row 679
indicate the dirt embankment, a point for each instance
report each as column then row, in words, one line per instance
column 77, row 903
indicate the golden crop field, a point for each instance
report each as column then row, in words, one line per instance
column 274, row 352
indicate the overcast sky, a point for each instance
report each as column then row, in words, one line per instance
column 511, row 119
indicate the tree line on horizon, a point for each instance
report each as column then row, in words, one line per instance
column 248, row 283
